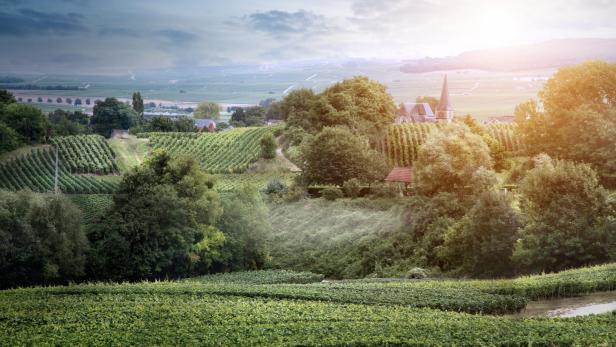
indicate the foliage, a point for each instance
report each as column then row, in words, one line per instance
column 275, row 186
column 402, row 142
column 481, row 243
column 6, row 97
column 448, row 160
column 112, row 114
column 362, row 105
column 86, row 154
column 41, row 240
column 92, row 206
column 336, row 155
column 138, row 103
column 27, row 121
column 332, row 193
column 578, row 119
column 64, row 123
column 351, row 188
column 261, row 181
column 252, row 116
column 246, row 227
column 35, row 170
column 268, row 146
column 66, row 316
column 9, row 139
column 567, row 217
column 261, row 277
column 430, row 100
column 225, row 152
column 160, row 224
column 207, row 109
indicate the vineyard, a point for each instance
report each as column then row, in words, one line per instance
column 86, row 154
column 92, row 205
column 403, row 140
column 224, row 152
column 35, row 171
column 269, row 308
column 229, row 182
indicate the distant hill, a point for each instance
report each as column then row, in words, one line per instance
column 550, row 54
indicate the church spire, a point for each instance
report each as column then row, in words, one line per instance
column 444, row 111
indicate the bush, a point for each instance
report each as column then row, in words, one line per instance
column 417, row 273
column 331, row 193
column 384, row 190
column 295, row 193
column 275, row 186
column 268, row 146
column 352, row 188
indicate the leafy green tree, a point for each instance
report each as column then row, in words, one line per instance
column 362, row 105
column 567, row 218
column 185, row 125
column 578, row 118
column 207, row 109
column 274, row 111
column 448, row 160
column 41, row 240
column 481, row 243
column 336, row 155
column 138, row 103
column 27, row 121
column 268, row 147
column 112, row 114
column 9, row 139
column 65, row 123
column 6, row 97
column 497, row 152
column 252, row 116
column 246, row 229
column 160, row 225
column 161, row 123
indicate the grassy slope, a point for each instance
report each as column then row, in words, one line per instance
column 129, row 151
column 315, row 235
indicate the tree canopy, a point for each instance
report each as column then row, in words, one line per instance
column 207, row 109
column 27, row 121
column 112, row 114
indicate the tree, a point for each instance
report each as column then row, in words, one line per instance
column 41, row 240
column 9, row 139
column 274, row 111
column 27, row 121
column 112, row 114
column 481, row 243
column 238, row 116
column 138, row 103
column 578, row 119
column 336, row 155
column 448, row 160
column 246, row 229
column 430, row 100
column 185, row 125
column 252, row 116
column 160, row 225
column 207, row 109
column 497, row 152
column 6, row 97
column 567, row 217
column 362, row 105
column 268, row 146
column 161, row 123
column 65, row 123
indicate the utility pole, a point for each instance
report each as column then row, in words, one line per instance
column 55, row 188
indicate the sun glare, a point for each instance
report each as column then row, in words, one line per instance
column 496, row 27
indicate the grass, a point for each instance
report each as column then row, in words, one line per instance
column 129, row 151
column 20, row 151
column 317, row 235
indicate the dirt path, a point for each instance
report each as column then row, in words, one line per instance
column 285, row 161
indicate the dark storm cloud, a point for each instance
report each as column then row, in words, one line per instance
column 281, row 23
column 27, row 22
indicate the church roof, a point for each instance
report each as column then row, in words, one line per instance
column 418, row 108
column 400, row 174
column 444, row 104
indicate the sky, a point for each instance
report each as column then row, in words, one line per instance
column 109, row 36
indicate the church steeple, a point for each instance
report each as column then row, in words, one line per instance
column 444, row 111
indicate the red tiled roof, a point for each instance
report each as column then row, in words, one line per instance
column 400, row 174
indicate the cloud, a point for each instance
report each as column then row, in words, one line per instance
column 281, row 23
column 29, row 22
column 122, row 32
column 75, row 59
column 177, row 37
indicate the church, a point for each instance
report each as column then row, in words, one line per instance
column 413, row 112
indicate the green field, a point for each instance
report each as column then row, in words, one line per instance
column 266, row 308
column 130, row 151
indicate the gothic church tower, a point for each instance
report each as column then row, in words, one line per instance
column 444, row 111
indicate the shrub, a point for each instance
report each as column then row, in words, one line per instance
column 352, row 188
column 331, row 193
column 417, row 273
column 268, row 146
column 275, row 186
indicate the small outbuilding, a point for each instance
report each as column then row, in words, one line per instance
column 402, row 176
column 205, row 124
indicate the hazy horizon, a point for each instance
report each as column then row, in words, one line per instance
column 84, row 36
